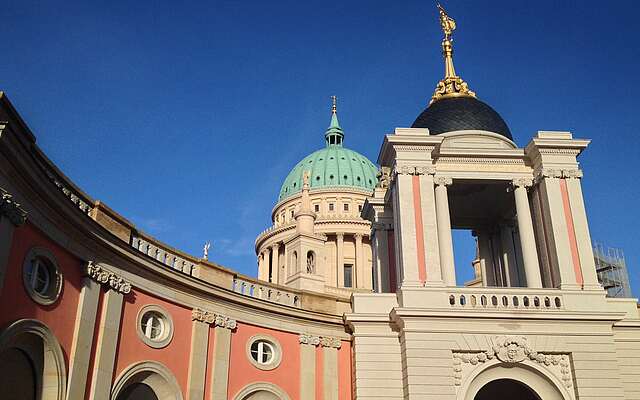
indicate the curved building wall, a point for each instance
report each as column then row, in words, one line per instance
column 112, row 277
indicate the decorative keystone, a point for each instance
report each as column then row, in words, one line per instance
column 108, row 278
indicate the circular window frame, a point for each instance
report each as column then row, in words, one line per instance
column 56, row 279
column 277, row 352
column 168, row 324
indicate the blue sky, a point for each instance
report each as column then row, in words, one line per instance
column 186, row 119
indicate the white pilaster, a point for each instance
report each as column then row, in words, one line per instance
column 404, row 217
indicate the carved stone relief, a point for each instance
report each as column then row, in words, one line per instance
column 211, row 318
column 323, row 341
column 511, row 350
column 108, row 278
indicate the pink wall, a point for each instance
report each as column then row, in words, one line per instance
column 16, row 304
column 131, row 349
column 242, row 372
column 345, row 374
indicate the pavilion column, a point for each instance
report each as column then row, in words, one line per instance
column 527, row 237
column 447, row 262
column 340, row 259
column 275, row 256
column 359, row 262
column 261, row 267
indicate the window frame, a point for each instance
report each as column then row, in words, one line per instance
column 46, row 261
column 276, row 356
column 166, row 323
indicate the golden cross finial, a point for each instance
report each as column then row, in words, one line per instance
column 334, row 101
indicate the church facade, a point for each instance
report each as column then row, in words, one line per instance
column 356, row 294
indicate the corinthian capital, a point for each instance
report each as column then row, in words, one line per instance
column 522, row 182
column 442, row 180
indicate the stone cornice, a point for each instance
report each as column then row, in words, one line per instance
column 211, row 318
column 108, row 279
column 323, row 341
column 11, row 209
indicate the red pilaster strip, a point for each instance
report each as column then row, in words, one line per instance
column 417, row 208
column 573, row 243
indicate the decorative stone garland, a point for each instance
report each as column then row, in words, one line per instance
column 108, row 278
column 323, row 341
column 511, row 350
column 214, row 319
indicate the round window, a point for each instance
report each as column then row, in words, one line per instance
column 264, row 352
column 154, row 326
column 41, row 276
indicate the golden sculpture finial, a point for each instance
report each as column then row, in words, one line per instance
column 334, row 101
column 447, row 23
column 452, row 85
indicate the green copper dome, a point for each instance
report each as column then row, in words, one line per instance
column 333, row 166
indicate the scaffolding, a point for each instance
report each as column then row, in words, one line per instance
column 612, row 270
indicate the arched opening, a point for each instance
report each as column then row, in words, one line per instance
column 261, row 391
column 20, row 383
column 33, row 362
column 261, row 395
column 294, row 263
column 311, row 262
column 506, row 389
column 138, row 391
column 147, row 380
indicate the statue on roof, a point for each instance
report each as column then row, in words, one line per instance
column 447, row 23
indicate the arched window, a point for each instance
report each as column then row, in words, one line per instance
column 294, row 262
column 311, row 262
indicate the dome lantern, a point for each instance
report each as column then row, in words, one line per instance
column 334, row 135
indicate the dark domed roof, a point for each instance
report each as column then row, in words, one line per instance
column 461, row 113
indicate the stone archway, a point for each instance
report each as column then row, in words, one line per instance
column 261, row 391
column 506, row 389
column 32, row 353
column 530, row 381
column 146, row 380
